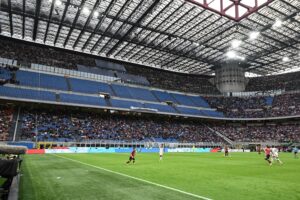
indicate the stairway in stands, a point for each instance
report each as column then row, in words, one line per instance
column 15, row 130
column 57, row 97
column 221, row 135
column 69, row 84
column 173, row 106
column 108, row 103
column 113, row 91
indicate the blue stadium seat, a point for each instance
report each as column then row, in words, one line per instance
column 5, row 74
column 79, row 99
column 142, row 94
column 86, row 86
column 163, row 96
column 160, row 107
column 183, row 99
column 125, row 104
column 189, row 111
column 133, row 93
column 269, row 101
column 41, row 80
column 121, row 91
column 199, row 101
column 27, row 93
column 212, row 113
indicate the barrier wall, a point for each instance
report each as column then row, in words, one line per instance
column 114, row 150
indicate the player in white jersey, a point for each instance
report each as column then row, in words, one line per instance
column 161, row 152
column 275, row 154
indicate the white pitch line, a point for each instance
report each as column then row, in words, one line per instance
column 139, row 179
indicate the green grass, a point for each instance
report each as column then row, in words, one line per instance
column 244, row 176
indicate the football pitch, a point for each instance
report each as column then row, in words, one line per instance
column 180, row 176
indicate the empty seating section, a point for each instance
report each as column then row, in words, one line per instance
column 189, row 111
column 41, row 80
column 183, row 99
column 199, row 101
column 163, row 96
column 4, row 74
column 85, row 86
column 121, row 91
column 27, row 93
column 269, row 101
column 142, row 94
column 95, row 70
column 129, row 78
column 160, row 107
column 125, row 104
column 79, row 99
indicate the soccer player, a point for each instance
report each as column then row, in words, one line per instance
column 268, row 154
column 161, row 152
column 132, row 156
column 275, row 155
column 226, row 151
column 295, row 150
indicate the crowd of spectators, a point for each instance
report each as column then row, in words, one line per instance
column 69, row 126
column 26, row 54
column 6, row 116
column 261, row 133
column 257, row 106
column 61, row 125
column 288, row 82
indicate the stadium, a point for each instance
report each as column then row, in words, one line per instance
column 149, row 99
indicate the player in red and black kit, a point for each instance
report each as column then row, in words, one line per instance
column 268, row 154
column 226, row 151
column 132, row 157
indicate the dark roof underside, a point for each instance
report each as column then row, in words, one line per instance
column 171, row 34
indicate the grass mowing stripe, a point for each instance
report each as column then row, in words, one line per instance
column 132, row 177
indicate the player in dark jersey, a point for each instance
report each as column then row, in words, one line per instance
column 132, row 156
column 268, row 155
column 226, row 151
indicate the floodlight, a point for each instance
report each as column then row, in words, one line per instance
column 254, row 35
column 96, row 14
column 85, row 10
column 285, row 59
column 236, row 43
column 278, row 23
column 58, row 3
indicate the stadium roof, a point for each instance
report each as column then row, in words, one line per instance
column 185, row 36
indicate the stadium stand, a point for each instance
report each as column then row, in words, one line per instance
column 27, row 93
column 42, row 80
column 29, row 53
column 258, row 106
column 288, row 82
column 64, row 125
column 175, row 81
column 6, row 116
column 284, row 133
column 70, row 126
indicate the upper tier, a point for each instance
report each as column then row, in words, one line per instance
column 60, row 89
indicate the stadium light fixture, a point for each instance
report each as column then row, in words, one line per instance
column 58, row 3
column 236, row 43
column 278, row 23
column 285, row 59
column 254, row 35
column 96, row 14
column 231, row 54
column 86, row 11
